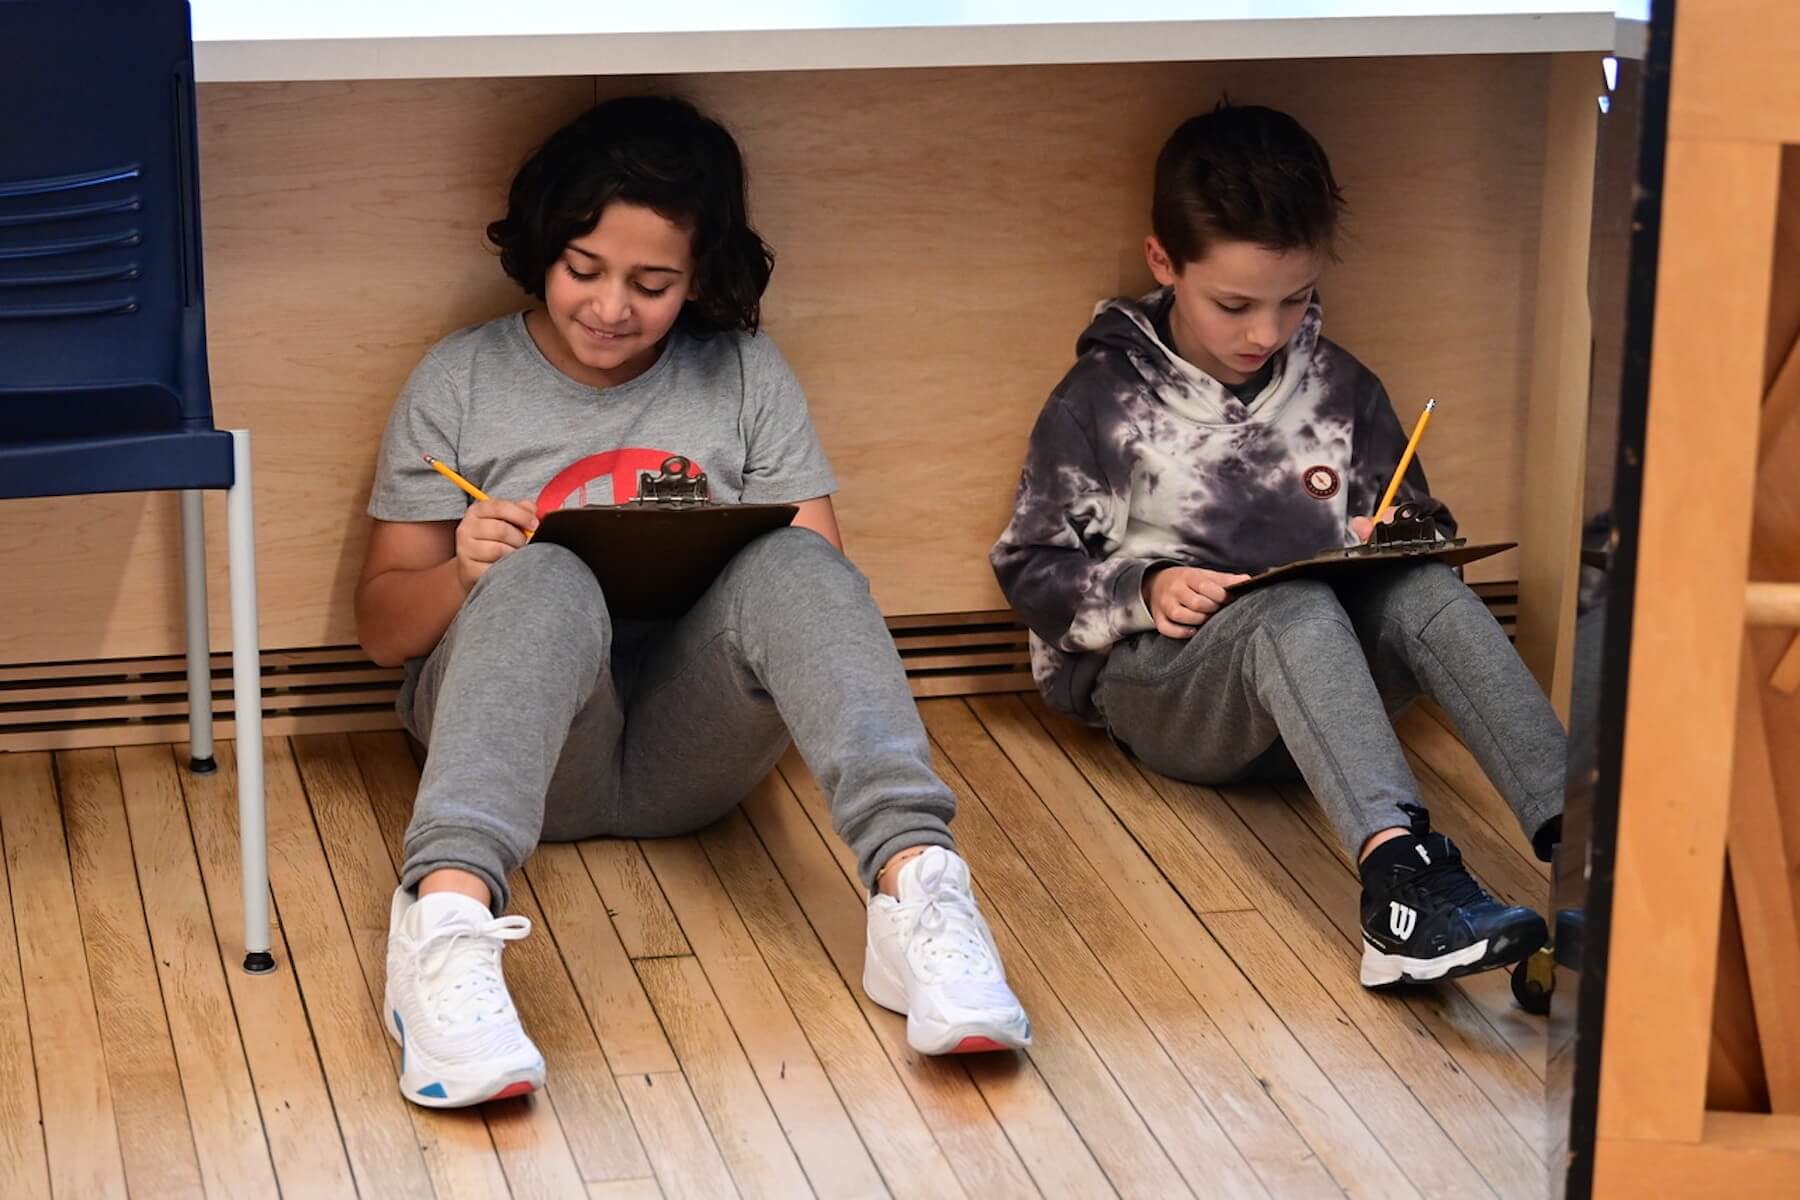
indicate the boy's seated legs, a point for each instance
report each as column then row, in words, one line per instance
column 789, row 641
column 1283, row 664
column 1426, row 633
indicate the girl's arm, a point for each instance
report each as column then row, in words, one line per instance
column 417, row 573
column 818, row 515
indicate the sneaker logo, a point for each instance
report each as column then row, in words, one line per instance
column 1423, row 855
column 1401, row 919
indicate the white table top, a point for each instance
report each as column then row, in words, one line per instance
column 245, row 40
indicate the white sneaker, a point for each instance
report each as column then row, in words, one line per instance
column 932, row 957
column 460, row 1038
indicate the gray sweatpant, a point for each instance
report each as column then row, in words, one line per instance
column 1306, row 675
column 546, row 719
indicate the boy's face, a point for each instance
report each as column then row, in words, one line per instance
column 615, row 293
column 1236, row 306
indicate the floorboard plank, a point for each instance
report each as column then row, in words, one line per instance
column 681, row 1147
column 24, row 1163
column 900, row 1145
column 790, row 1074
column 305, row 1142
column 226, row 1124
column 155, row 1136
column 629, row 1030
column 743, row 1123
column 634, row 900
column 376, row 1123
column 81, row 1138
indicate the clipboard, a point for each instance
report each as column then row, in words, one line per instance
column 1341, row 563
column 655, row 561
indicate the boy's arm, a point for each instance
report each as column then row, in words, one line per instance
column 1058, row 560
column 1377, row 445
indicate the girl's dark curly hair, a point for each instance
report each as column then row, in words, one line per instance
column 660, row 153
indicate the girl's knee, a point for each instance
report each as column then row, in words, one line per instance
column 550, row 578
column 794, row 569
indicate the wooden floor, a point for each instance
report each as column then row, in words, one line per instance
column 1188, row 957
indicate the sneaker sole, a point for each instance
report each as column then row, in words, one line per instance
column 985, row 1038
column 433, row 1091
column 1390, row 970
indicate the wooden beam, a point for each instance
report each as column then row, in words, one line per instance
column 1681, row 710
column 1557, row 432
column 1776, row 604
column 1740, row 1156
column 1782, row 402
column 1786, row 678
column 1733, row 72
column 1768, row 906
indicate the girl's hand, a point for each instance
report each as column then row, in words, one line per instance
column 489, row 531
column 1182, row 598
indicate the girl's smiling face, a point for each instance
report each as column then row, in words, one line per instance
column 613, row 296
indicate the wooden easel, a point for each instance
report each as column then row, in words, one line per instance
column 1711, row 767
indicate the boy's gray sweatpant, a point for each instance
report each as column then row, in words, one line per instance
column 1304, row 674
column 547, row 720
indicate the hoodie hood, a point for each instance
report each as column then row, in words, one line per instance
column 1129, row 327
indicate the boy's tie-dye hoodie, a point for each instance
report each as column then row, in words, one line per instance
column 1140, row 458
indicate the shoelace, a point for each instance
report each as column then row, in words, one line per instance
column 945, row 932
column 1448, row 883
column 471, row 955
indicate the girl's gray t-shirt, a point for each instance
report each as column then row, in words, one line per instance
column 487, row 403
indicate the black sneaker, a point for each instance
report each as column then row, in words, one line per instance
column 1425, row 918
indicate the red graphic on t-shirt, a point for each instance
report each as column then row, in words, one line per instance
column 622, row 466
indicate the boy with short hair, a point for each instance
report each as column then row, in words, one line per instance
column 1208, row 432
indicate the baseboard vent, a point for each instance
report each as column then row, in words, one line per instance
column 334, row 689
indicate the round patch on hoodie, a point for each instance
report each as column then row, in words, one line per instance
column 1322, row 483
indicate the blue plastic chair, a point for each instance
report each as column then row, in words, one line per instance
column 103, row 381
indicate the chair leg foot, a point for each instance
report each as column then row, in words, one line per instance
column 204, row 766
column 259, row 962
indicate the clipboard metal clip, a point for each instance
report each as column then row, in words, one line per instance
column 1412, row 527
column 680, row 482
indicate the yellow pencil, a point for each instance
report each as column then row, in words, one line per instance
column 1405, row 459
column 466, row 486
column 458, row 480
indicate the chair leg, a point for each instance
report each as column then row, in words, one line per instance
column 246, row 687
column 199, row 647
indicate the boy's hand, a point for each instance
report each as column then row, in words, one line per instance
column 1363, row 528
column 1182, row 598
column 489, row 531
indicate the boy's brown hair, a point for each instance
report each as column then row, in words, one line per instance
column 1243, row 174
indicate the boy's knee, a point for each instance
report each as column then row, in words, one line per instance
column 1420, row 594
column 1283, row 606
